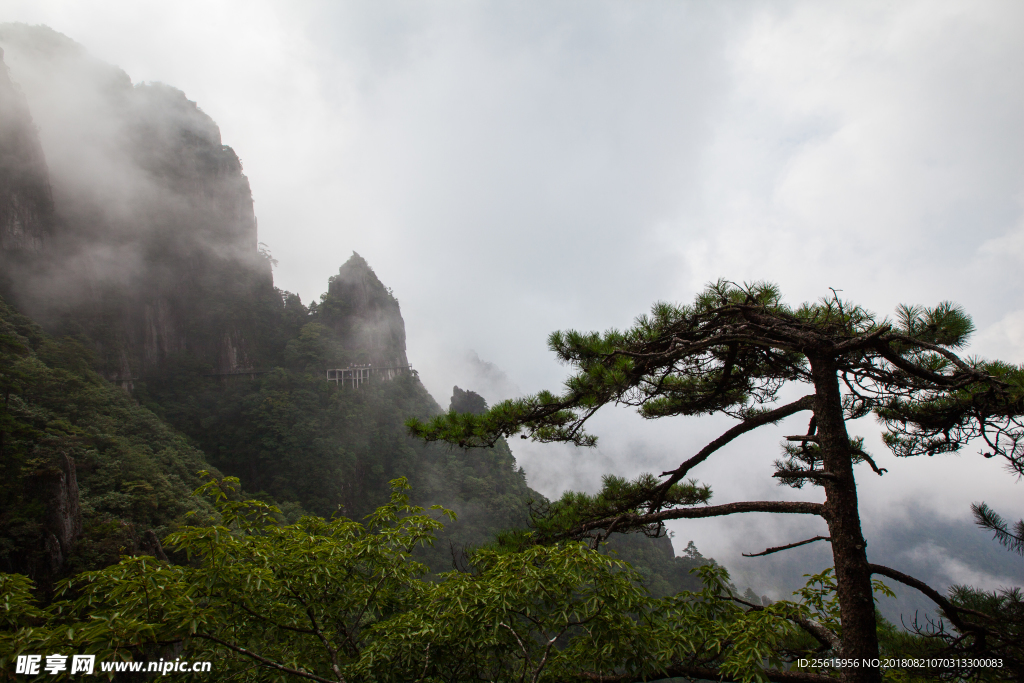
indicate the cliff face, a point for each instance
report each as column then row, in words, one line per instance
column 63, row 520
column 148, row 244
column 26, row 203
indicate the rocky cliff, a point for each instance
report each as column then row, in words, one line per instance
column 365, row 316
column 26, row 202
column 464, row 401
column 147, row 244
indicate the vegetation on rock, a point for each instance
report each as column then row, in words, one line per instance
column 130, row 473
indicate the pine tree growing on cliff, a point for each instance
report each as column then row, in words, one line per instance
column 731, row 352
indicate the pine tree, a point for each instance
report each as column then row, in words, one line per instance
column 732, row 352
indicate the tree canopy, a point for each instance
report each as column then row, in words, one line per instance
column 732, row 352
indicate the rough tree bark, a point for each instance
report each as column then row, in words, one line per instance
column 853, row 572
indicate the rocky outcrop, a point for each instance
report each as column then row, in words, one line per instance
column 63, row 521
column 150, row 544
column 147, row 244
column 467, row 402
column 365, row 316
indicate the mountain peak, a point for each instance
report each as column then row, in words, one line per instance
column 365, row 314
column 465, row 401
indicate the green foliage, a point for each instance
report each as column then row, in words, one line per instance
column 618, row 496
column 531, row 616
column 945, row 325
column 133, row 472
column 18, row 608
column 987, row 518
column 333, row 600
column 1002, row 613
column 305, row 596
column 807, row 457
column 563, row 612
column 819, row 595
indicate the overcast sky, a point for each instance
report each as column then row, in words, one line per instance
column 512, row 168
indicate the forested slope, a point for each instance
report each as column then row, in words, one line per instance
column 86, row 471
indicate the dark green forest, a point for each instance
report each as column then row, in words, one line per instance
column 134, row 473
column 291, row 436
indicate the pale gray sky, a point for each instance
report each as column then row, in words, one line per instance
column 512, row 168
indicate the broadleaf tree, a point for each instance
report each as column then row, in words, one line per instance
column 337, row 601
column 733, row 351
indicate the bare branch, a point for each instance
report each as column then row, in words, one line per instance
column 331, row 650
column 878, row 470
column 821, row 633
column 632, row 521
column 266, row 662
column 547, row 650
column 951, row 610
column 787, row 547
column 426, row 664
column 676, row 475
column 526, row 655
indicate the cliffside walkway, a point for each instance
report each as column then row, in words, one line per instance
column 356, row 375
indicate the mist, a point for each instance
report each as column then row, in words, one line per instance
column 149, row 225
column 511, row 170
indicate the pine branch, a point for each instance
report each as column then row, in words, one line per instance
column 878, row 470
column 987, row 518
column 804, row 474
column 933, row 378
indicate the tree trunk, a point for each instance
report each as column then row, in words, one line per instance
column 853, row 574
